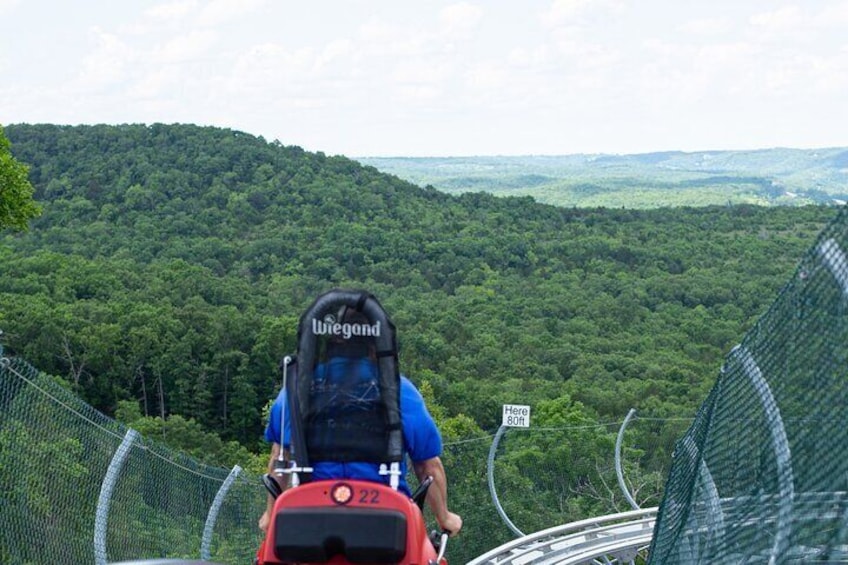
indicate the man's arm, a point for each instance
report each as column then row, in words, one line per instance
column 437, row 495
column 265, row 519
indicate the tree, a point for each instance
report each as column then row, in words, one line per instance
column 16, row 204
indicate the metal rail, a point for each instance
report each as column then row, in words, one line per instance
column 612, row 539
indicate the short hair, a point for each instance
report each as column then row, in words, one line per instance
column 355, row 346
column 349, row 315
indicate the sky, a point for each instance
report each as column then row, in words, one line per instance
column 382, row 78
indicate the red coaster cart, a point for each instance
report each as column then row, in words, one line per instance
column 342, row 521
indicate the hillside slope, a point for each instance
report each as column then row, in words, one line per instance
column 172, row 261
column 790, row 177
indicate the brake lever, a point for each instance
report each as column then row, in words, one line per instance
column 443, row 545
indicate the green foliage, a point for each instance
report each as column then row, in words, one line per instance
column 16, row 204
column 57, row 455
column 172, row 263
column 144, row 280
column 188, row 437
column 780, row 177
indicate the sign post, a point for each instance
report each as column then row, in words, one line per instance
column 516, row 416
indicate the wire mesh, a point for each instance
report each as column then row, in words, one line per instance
column 546, row 477
column 55, row 452
column 761, row 475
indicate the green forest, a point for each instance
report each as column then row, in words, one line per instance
column 777, row 176
column 166, row 273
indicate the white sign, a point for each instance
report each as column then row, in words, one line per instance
column 516, row 416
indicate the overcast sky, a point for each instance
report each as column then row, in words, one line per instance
column 440, row 78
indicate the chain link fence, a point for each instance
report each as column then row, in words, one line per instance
column 78, row 487
column 762, row 474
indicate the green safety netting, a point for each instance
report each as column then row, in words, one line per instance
column 761, row 476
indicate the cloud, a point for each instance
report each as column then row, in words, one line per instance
column 488, row 76
column 218, row 12
column 7, row 6
column 270, row 74
column 379, row 39
column 563, row 11
column 335, row 51
column 706, row 26
column 422, row 71
column 796, row 24
column 161, row 83
column 183, row 48
column 419, row 92
column 787, row 17
column 834, row 15
column 532, row 57
column 460, row 20
column 569, row 12
column 378, row 30
column 106, row 65
column 607, row 72
column 172, row 10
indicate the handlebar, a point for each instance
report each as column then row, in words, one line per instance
column 443, row 545
column 440, row 542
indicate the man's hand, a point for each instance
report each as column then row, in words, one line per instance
column 437, row 494
column 272, row 463
column 265, row 519
column 452, row 523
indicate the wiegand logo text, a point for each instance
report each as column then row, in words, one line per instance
column 329, row 326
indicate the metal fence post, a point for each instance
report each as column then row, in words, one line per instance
column 212, row 517
column 490, row 474
column 101, row 519
column 619, row 473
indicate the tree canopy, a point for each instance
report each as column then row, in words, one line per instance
column 167, row 273
column 172, row 262
column 16, row 204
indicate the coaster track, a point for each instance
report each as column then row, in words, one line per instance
column 609, row 540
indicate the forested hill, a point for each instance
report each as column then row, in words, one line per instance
column 769, row 177
column 172, row 261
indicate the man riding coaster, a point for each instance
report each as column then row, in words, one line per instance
column 347, row 385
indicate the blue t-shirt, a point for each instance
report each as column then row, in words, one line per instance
column 421, row 437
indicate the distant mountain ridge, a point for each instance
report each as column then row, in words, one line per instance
column 779, row 176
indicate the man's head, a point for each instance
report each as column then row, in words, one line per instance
column 357, row 340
